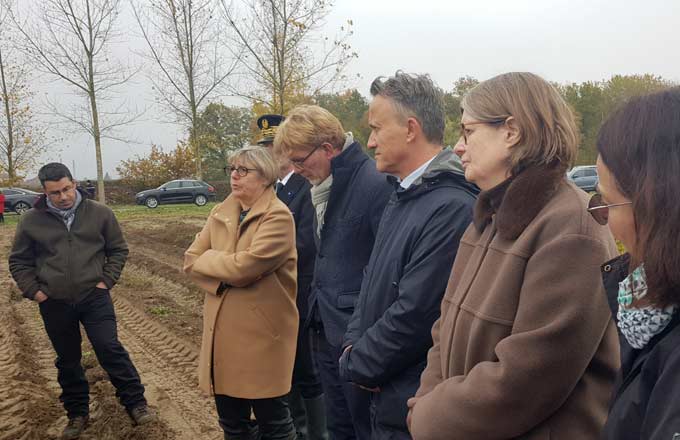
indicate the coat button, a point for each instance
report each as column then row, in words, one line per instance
column 607, row 268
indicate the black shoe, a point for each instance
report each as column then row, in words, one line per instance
column 75, row 427
column 141, row 415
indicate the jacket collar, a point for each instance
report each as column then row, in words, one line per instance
column 231, row 208
column 518, row 200
column 291, row 188
column 445, row 168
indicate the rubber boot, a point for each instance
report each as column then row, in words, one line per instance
column 316, row 418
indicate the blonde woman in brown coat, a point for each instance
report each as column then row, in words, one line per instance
column 245, row 260
column 525, row 347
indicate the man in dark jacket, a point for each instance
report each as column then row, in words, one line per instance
column 306, row 398
column 67, row 254
column 389, row 335
column 349, row 196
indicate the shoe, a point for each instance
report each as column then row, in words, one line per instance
column 141, row 415
column 75, row 427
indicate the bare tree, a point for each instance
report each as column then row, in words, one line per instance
column 22, row 140
column 185, row 43
column 286, row 52
column 71, row 40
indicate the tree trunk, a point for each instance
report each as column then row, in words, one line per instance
column 12, row 175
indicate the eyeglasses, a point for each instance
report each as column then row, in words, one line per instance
column 600, row 211
column 241, row 171
column 464, row 130
column 300, row 163
column 64, row 191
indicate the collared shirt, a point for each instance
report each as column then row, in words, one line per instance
column 408, row 180
column 285, row 180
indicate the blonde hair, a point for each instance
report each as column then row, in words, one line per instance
column 307, row 127
column 547, row 128
column 259, row 158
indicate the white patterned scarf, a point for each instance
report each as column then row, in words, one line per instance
column 639, row 324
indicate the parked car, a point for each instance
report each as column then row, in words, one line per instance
column 585, row 177
column 19, row 200
column 177, row 191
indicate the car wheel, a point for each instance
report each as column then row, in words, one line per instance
column 151, row 202
column 21, row 207
column 200, row 200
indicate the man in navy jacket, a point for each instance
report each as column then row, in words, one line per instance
column 349, row 196
column 431, row 206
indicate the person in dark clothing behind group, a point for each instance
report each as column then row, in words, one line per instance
column 68, row 253
column 638, row 199
column 349, row 196
column 306, row 398
column 2, row 207
column 389, row 335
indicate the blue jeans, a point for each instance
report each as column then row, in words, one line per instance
column 96, row 314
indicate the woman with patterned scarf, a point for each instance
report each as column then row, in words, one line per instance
column 639, row 169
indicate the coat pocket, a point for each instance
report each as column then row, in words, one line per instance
column 266, row 321
column 347, row 300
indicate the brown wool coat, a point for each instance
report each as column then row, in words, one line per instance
column 249, row 331
column 525, row 347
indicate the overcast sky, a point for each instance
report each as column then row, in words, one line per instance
column 562, row 40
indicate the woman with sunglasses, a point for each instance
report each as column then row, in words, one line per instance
column 245, row 260
column 525, row 348
column 639, row 169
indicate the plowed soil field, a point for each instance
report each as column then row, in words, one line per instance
column 159, row 323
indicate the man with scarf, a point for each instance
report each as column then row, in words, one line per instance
column 67, row 254
column 349, row 196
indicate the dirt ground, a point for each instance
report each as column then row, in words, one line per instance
column 159, row 322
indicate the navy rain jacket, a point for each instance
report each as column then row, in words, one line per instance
column 403, row 287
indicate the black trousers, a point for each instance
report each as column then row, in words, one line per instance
column 96, row 314
column 305, row 375
column 347, row 406
column 273, row 418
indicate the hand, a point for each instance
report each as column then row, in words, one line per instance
column 409, row 416
column 101, row 285
column 40, row 297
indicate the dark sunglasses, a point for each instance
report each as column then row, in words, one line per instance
column 599, row 210
column 464, row 132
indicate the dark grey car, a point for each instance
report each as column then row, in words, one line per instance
column 177, row 191
column 19, row 200
column 585, row 177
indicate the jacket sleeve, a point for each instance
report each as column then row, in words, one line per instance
column 270, row 248
column 116, row 251
column 662, row 418
column 198, row 247
column 401, row 337
column 561, row 319
column 22, row 262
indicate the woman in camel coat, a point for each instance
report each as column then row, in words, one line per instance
column 245, row 260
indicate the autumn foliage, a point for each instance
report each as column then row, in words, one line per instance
column 158, row 167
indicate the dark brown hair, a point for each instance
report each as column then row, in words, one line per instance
column 640, row 144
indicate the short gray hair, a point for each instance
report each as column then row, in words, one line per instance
column 259, row 158
column 415, row 95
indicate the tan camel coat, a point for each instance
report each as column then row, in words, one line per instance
column 250, row 330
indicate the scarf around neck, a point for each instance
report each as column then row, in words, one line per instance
column 639, row 324
column 66, row 215
column 322, row 191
